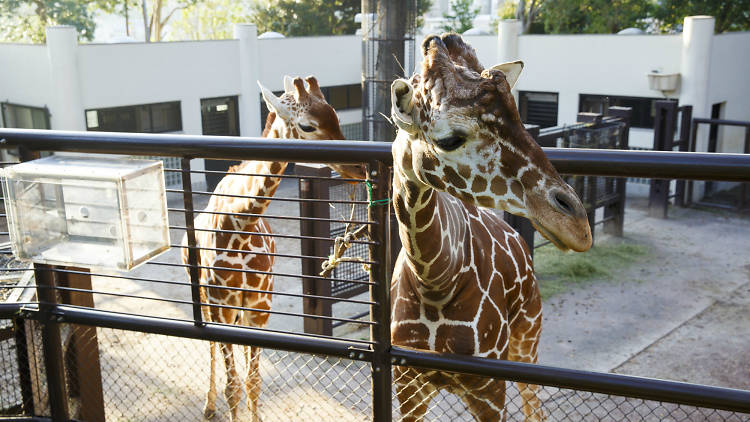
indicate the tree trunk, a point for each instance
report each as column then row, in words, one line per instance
column 146, row 25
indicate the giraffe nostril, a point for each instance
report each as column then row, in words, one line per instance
column 563, row 204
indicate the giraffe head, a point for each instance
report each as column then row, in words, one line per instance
column 460, row 132
column 302, row 112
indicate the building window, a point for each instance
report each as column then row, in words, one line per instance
column 643, row 107
column 538, row 108
column 24, row 117
column 144, row 118
column 220, row 116
column 340, row 97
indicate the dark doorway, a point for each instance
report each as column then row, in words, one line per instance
column 219, row 116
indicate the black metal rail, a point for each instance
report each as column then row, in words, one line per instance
column 733, row 167
column 585, row 162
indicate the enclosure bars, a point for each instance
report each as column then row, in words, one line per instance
column 712, row 149
column 734, row 167
column 665, row 123
column 192, row 252
column 380, row 311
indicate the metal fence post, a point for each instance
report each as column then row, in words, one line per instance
column 82, row 351
column 614, row 212
column 52, row 343
column 24, row 370
column 315, row 189
column 380, row 333
column 192, row 252
column 686, row 118
column 664, row 125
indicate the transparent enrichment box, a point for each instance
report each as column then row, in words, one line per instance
column 90, row 212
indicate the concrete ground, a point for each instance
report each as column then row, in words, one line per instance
column 681, row 314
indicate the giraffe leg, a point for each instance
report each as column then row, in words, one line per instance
column 233, row 388
column 414, row 394
column 522, row 347
column 253, row 381
column 209, row 409
column 485, row 398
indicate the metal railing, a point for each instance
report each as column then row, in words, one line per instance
column 54, row 314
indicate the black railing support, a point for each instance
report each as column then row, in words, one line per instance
column 315, row 188
column 379, row 211
column 192, row 251
column 24, row 370
column 664, row 126
column 614, row 212
column 52, row 343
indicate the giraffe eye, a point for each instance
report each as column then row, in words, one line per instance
column 450, row 143
column 306, row 128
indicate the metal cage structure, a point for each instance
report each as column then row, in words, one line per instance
column 82, row 344
column 388, row 41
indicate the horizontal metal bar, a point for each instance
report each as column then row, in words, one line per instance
column 214, row 147
column 185, row 283
column 279, row 217
column 614, row 384
column 208, row 305
column 313, row 316
column 221, row 333
column 285, row 236
column 242, row 251
column 280, row 176
column 357, row 316
column 591, row 162
column 721, row 122
column 651, row 164
column 240, row 270
column 272, row 198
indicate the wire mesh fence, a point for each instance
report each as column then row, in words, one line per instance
column 23, row 381
column 157, row 377
column 461, row 399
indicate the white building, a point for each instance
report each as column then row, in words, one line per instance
column 208, row 87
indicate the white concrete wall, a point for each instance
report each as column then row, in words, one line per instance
column 729, row 70
column 24, row 74
column 135, row 73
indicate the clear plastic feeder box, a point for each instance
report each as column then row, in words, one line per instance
column 87, row 211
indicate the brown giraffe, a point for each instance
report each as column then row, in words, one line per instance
column 464, row 281
column 297, row 114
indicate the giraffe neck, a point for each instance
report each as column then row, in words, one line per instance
column 433, row 230
column 254, row 187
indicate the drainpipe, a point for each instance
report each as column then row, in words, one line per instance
column 249, row 99
column 507, row 43
column 697, row 35
column 66, row 106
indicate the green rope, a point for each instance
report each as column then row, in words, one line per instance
column 370, row 202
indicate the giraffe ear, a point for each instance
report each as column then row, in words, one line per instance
column 288, row 84
column 402, row 105
column 512, row 71
column 274, row 104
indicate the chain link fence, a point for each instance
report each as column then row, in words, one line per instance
column 557, row 404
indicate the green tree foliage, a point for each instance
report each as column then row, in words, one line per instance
column 209, row 20
column 26, row 20
column 306, row 17
column 463, row 16
column 731, row 15
column 297, row 18
column 593, row 16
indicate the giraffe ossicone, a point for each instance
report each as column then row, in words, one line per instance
column 464, row 281
column 235, row 266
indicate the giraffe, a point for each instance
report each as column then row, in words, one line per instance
column 299, row 114
column 463, row 282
